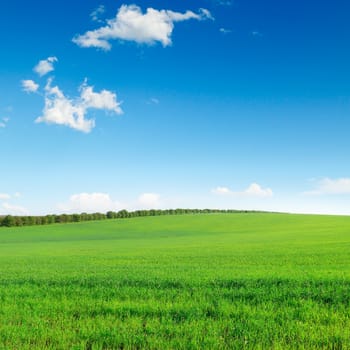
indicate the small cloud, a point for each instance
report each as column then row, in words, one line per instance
column 149, row 201
column 225, row 31
column 96, row 14
column 72, row 113
column 256, row 190
column 222, row 191
column 29, row 86
column 130, row 24
column 4, row 196
column 45, row 66
column 10, row 209
column 17, row 195
column 89, row 203
column 253, row 190
column 327, row 186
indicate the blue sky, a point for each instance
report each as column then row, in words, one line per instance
column 238, row 104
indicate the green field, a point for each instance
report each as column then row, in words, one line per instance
column 216, row 281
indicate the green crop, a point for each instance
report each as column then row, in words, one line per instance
column 215, row 281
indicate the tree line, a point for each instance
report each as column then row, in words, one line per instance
column 10, row 220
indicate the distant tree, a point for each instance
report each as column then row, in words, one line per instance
column 18, row 221
column 76, row 217
column 122, row 214
column 8, row 221
column 111, row 215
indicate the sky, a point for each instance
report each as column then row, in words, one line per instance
column 241, row 104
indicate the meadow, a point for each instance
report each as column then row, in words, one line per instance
column 208, row 281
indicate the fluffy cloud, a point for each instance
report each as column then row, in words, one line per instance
column 103, row 202
column 222, row 191
column 72, row 113
column 254, row 190
column 29, row 86
column 45, row 66
column 105, row 100
column 89, row 203
column 10, row 209
column 4, row 196
column 329, row 186
column 149, row 201
column 130, row 24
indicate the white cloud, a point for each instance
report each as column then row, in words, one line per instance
column 72, row 113
column 89, row 203
column 10, row 209
column 130, row 24
column 222, row 191
column 45, row 66
column 149, row 201
column 253, row 190
column 205, row 14
column 95, row 15
column 329, row 186
column 256, row 190
column 29, row 86
column 105, row 100
column 103, row 202
column 4, row 196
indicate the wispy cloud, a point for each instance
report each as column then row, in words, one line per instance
column 45, row 66
column 130, row 24
column 96, row 14
column 29, row 86
column 223, row 2
column 153, row 101
column 253, row 190
column 3, row 122
column 225, row 31
column 328, row 186
column 62, row 110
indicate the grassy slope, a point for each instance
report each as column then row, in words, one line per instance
column 207, row 281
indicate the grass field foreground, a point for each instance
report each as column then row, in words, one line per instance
column 217, row 281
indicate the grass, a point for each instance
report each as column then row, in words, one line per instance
column 217, row 281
